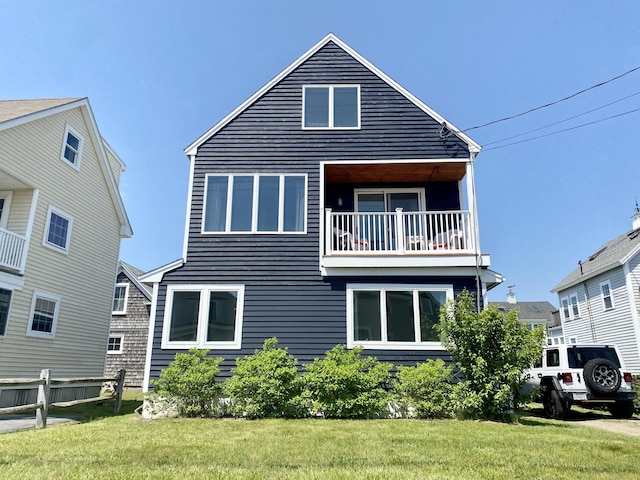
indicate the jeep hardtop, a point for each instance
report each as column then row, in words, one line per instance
column 591, row 376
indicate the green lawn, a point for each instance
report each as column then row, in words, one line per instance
column 128, row 447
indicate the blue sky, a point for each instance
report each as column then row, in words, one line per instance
column 159, row 74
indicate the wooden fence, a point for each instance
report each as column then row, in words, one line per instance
column 44, row 384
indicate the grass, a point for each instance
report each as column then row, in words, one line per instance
column 127, row 447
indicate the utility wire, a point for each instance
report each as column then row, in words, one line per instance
column 552, row 103
column 561, row 121
column 565, row 130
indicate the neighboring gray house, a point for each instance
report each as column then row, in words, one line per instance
column 600, row 299
column 129, row 326
column 331, row 207
column 532, row 314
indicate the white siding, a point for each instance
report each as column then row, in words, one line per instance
column 84, row 278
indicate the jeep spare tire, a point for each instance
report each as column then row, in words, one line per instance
column 602, row 376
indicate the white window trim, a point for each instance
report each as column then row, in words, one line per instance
column 331, row 119
column 577, row 305
column 69, row 129
column 116, row 352
column 385, row 191
column 386, row 345
column 45, row 239
column 6, row 327
column 254, row 208
column 202, row 316
column 126, row 298
column 44, row 296
column 602, row 296
column 4, row 216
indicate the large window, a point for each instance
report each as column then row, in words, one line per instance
column 255, row 204
column 120, row 296
column 58, row 230
column 570, row 308
column 395, row 316
column 205, row 316
column 44, row 315
column 72, row 147
column 5, row 303
column 607, row 299
column 331, row 106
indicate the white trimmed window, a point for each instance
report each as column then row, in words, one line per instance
column 44, row 315
column 255, row 204
column 570, row 307
column 328, row 107
column 57, row 234
column 5, row 206
column 5, row 305
column 395, row 317
column 203, row 316
column 72, row 147
column 114, row 346
column 120, row 296
column 607, row 298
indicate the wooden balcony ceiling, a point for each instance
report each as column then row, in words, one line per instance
column 395, row 172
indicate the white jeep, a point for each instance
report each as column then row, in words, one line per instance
column 591, row 376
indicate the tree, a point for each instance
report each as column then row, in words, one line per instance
column 493, row 351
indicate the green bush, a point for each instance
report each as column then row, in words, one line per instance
column 493, row 351
column 345, row 385
column 426, row 390
column 189, row 385
column 264, row 385
column 636, row 387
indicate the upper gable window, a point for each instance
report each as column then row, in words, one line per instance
column 255, row 204
column 72, row 147
column 58, row 230
column 331, row 107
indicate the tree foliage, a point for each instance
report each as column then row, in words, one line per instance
column 493, row 351
column 426, row 390
column 189, row 384
column 264, row 385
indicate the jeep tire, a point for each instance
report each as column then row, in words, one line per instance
column 622, row 409
column 602, row 376
column 554, row 406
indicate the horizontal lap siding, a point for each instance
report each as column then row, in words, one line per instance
column 285, row 295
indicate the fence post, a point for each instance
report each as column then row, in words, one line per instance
column 119, row 387
column 43, row 399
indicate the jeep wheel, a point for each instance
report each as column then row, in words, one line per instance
column 554, row 407
column 622, row 409
column 602, row 376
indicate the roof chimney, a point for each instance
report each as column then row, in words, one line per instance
column 511, row 297
column 636, row 217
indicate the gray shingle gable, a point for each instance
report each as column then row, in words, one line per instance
column 610, row 255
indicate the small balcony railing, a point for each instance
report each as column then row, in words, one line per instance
column 398, row 233
column 11, row 250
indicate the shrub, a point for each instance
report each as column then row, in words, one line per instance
column 345, row 385
column 426, row 390
column 636, row 387
column 189, row 384
column 264, row 385
column 493, row 351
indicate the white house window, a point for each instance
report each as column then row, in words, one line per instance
column 255, row 204
column 120, row 296
column 58, row 230
column 72, row 147
column 607, row 299
column 570, row 309
column 204, row 316
column 5, row 206
column 395, row 316
column 44, row 315
column 115, row 344
column 5, row 304
column 331, row 107
column 575, row 311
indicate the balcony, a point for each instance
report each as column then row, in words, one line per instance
column 11, row 250
column 399, row 239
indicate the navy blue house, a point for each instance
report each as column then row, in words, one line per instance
column 332, row 207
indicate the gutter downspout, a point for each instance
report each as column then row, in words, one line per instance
column 594, row 338
column 475, row 228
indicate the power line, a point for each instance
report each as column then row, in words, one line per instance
column 552, row 103
column 565, row 130
column 562, row 121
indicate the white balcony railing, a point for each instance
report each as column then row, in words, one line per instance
column 11, row 250
column 398, row 233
